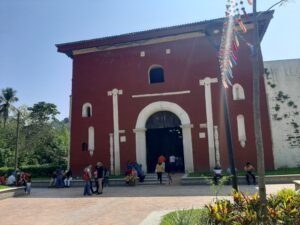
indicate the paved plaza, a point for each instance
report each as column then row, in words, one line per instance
column 116, row 206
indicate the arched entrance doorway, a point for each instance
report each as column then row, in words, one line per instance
column 186, row 126
column 164, row 137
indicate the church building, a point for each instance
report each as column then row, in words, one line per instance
column 159, row 92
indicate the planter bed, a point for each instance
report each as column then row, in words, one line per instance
column 11, row 192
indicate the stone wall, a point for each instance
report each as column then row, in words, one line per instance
column 282, row 80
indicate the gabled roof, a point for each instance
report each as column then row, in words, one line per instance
column 203, row 26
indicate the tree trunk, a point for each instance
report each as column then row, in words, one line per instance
column 256, row 114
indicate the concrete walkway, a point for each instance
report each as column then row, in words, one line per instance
column 117, row 206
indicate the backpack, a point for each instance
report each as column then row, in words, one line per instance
column 85, row 176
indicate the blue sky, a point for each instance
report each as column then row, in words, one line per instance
column 29, row 30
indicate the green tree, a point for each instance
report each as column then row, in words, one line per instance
column 7, row 98
column 42, row 112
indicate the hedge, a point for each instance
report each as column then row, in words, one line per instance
column 35, row 170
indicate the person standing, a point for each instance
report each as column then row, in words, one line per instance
column 249, row 169
column 100, row 173
column 162, row 159
column 87, row 179
column 159, row 171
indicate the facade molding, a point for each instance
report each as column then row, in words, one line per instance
column 146, row 42
column 139, row 43
column 162, row 94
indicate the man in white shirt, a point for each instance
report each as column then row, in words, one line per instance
column 11, row 180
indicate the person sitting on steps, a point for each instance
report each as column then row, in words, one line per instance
column 217, row 174
column 249, row 169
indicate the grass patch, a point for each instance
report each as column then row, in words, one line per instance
column 281, row 171
column 3, row 187
column 186, row 217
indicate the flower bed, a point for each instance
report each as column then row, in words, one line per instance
column 282, row 208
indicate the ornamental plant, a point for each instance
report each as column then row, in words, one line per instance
column 282, row 208
column 131, row 179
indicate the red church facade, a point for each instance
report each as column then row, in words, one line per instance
column 125, row 86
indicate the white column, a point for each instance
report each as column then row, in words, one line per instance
column 217, row 145
column 209, row 117
column 187, row 147
column 114, row 93
column 111, row 153
column 140, row 140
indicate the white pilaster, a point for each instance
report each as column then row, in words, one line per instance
column 217, row 145
column 114, row 93
column 209, row 117
column 140, row 140
column 111, row 153
column 188, row 148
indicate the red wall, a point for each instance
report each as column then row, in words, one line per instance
column 191, row 60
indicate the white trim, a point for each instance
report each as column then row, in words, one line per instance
column 162, row 94
column 111, row 153
column 241, row 130
column 147, row 42
column 139, row 43
column 202, row 135
column 203, row 125
column 84, row 109
column 186, row 126
column 209, row 117
column 217, row 145
column 123, row 139
column 91, row 139
column 70, row 124
column 238, row 92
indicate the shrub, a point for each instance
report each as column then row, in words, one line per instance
column 282, row 208
column 35, row 171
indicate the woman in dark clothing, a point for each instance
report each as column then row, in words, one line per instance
column 100, row 172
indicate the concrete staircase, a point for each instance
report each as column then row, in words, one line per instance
column 151, row 179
